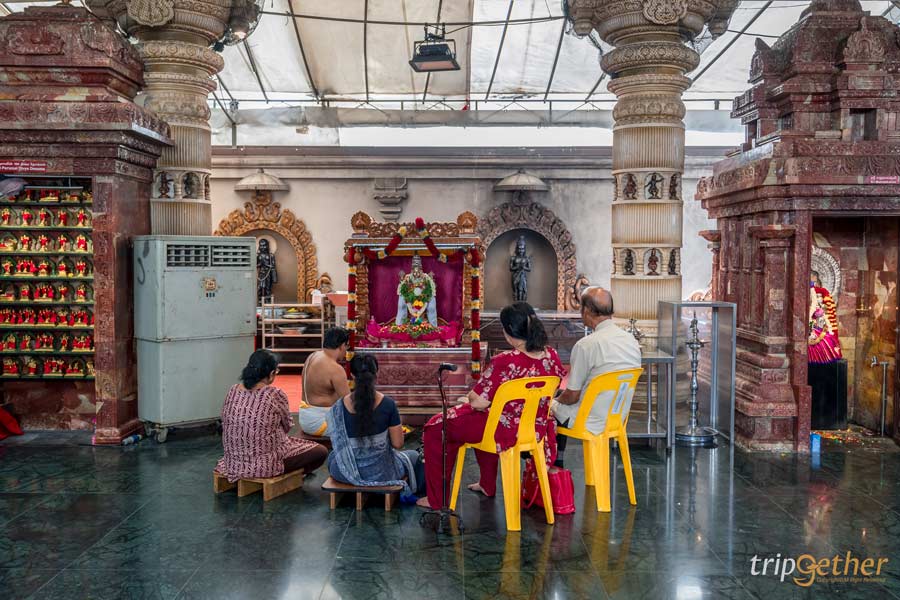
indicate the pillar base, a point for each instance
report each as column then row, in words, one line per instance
column 113, row 436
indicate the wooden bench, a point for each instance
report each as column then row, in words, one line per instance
column 271, row 487
column 335, row 488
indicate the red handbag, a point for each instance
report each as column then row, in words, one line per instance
column 562, row 490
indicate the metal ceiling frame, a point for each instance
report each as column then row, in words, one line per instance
column 255, row 72
column 562, row 32
column 733, row 40
column 499, row 50
column 428, row 75
column 366, row 45
column 309, row 76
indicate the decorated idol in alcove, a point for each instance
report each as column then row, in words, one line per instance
column 266, row 274
column 519, row 267
column 416, row 297
column 824, row 344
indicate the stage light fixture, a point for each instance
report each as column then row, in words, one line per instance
column 434, row 53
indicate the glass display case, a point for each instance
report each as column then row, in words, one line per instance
column 46, row 278
column 716, row 369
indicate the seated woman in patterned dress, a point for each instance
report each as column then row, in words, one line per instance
column 255, row 425
column 530, row 357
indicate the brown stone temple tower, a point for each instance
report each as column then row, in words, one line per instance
column 818, row 175
column 647, row 71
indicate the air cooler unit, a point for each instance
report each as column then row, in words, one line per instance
column 195, row 321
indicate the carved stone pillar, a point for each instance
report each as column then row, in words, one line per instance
column 647, row 74
column 175, row 39
column 714, row 237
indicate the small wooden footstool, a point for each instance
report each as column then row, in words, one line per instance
column 334, row 488
column 271, row 487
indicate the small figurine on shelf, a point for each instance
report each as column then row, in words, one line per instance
column 81, row 268
column 10, row 367
column 26, row 341
column 81, row 244
column 9, row 294
column 62, row 317
column 81, row 293
column 44, row 292
column 27, row 317
column 52, row 367
column 9, row 342
column 5, row 217
column 65, row 343
column 87, row 197
column 45, row 219
column 49, row 196
column 62, row 269
column 62, row 243
column 70, row 197
column 25, row 292
column 75, row 369
column 7, row 316
column 8, row 267
column 43, row 243
column 62, row 290
column 80, row 318
column 89, row 365
column 46, row 317
column 26, row 217
column 82, row 218
column 44, row 268
column 44, row 342
column 25, row 267
column 25, row 241
column 62, row 217
column 83, row 343
column 32, row 366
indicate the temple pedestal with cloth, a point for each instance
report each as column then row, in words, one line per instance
column 414, row 302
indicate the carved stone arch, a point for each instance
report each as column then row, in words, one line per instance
column 262, row 213
column 538, row 218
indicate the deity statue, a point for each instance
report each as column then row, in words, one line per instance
column 673, row 187
column 673, row 262
column 266, row 274
column 416, row 297
column 824, row 344
column 519, row 268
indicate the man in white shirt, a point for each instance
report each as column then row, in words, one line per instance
column 607, row 349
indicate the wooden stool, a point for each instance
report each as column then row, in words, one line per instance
column 271, row 487
column 334, row 488
column 319, row 439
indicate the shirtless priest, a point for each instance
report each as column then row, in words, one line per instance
column 324, row 382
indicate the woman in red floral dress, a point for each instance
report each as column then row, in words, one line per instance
column 530, row 357
column 255, row 425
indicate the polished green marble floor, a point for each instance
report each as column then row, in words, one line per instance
column 142, row 522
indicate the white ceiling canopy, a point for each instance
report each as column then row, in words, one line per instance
column 512, row 54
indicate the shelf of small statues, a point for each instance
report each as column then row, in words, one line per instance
column 47, row 343
column 30, row 366
column 35, row 242
column 76, row 317
column 27, row 216
column 43, row 278
column 39, row 195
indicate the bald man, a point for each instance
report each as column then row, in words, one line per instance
column 608, row 348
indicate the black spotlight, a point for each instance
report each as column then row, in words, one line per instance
column 435, row 52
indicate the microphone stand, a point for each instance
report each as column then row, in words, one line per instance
column 443, row 516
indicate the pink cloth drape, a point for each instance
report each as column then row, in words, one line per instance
column 384, row 276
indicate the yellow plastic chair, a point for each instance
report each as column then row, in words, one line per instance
column 596, row 447
column 531, row 390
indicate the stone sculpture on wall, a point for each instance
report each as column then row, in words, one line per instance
column 519, row 268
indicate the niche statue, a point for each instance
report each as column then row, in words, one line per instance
column 266, row 275
column 519, row 267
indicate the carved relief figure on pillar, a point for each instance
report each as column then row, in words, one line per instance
column 630, row 191
column 824, row 345
column 519, row 267
column 653, row 187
